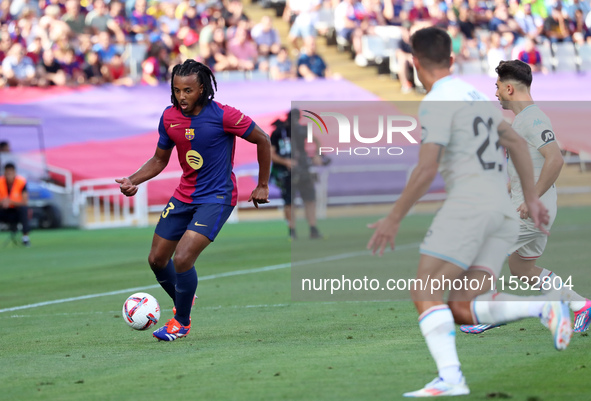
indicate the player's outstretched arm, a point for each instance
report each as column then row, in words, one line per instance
column 517, row 147
column 419, row 182
column 261, row 192
column 150, row 169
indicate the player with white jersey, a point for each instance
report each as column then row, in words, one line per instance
column 472, row 233
column 513, row 91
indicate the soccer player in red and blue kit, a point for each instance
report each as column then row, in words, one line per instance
column 204, row 133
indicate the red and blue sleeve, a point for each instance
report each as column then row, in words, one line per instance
column 237, row 123
column 164, row 142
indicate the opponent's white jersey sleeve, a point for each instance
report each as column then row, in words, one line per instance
column 535, row 127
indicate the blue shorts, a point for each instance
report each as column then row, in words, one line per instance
column 178, row 217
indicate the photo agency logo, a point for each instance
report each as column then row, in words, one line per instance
column 369, row 139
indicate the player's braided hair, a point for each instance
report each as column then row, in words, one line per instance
column 204, row 76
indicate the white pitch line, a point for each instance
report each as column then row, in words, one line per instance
column 207, row 308
column 210, row 277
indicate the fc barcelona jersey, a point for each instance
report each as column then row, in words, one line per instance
column 205, row 145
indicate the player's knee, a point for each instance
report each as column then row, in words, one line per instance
column 182, row 261
column 461, row 311
column 157, row 262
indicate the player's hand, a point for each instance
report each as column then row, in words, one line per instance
column 259, row 195
column 5, row 203
column 385, row 233
column 523, row 211
column 126, row 187
column 539, row 214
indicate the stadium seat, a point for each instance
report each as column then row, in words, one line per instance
column 393, row 64
column 585, row 57
column 325, row 21
column 547, row 58
column 471, row 67
column 256, row 75
column 374, row 48
column 565, row 56
column 134, row 55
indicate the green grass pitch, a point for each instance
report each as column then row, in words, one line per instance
column 249, row 340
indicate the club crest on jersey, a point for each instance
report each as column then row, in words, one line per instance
column 190, row 133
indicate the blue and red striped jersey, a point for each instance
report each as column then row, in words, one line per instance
column 205, row 145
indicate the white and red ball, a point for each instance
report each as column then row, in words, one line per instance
column 141, row 311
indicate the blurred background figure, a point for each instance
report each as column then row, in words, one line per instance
column 291, row 170
column 13, row 202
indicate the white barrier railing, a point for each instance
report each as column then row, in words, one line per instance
column 98, row 203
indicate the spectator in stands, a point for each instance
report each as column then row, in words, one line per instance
column 216, row 55
column 418, row 12
column 531, row 55
column 580, row 29
column 35, row 50
column 531, row 25
column 404, row 59
column 5, row 16
column 233, row 13
column 17, row 68
column 347, row 20
column 74, row 18
column 105, row 49
column 281, row 67
column 394, row 12
column 99, row 19
column 155, row 67
column 92, row 69
column 466, row 24
column 458, row 43
column 480, row 12
column 141, row 23
column 189, row 49
column 495, row 52
column 6, row 155
column 556, row 26
column 50, row 71
column 266, row 37
column 116, row 72
column 243, row 48
column 302, row 15
column 14, row 199
column 502, row 23
column 116, row 11
column 575, row 5
column 167, row 23
column 72, row 68
column 310, row 65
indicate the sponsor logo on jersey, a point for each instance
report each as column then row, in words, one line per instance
column 190, row 133
column 547, row 136
column 174, row 125
column 240, row 119
column 194, row 159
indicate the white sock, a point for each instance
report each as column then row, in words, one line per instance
column 497, row 308
column 574, row 300
column 438, row 328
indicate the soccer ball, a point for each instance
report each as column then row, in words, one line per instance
column 141, row 311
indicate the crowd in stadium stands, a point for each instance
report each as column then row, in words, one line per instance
column 73, row 42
